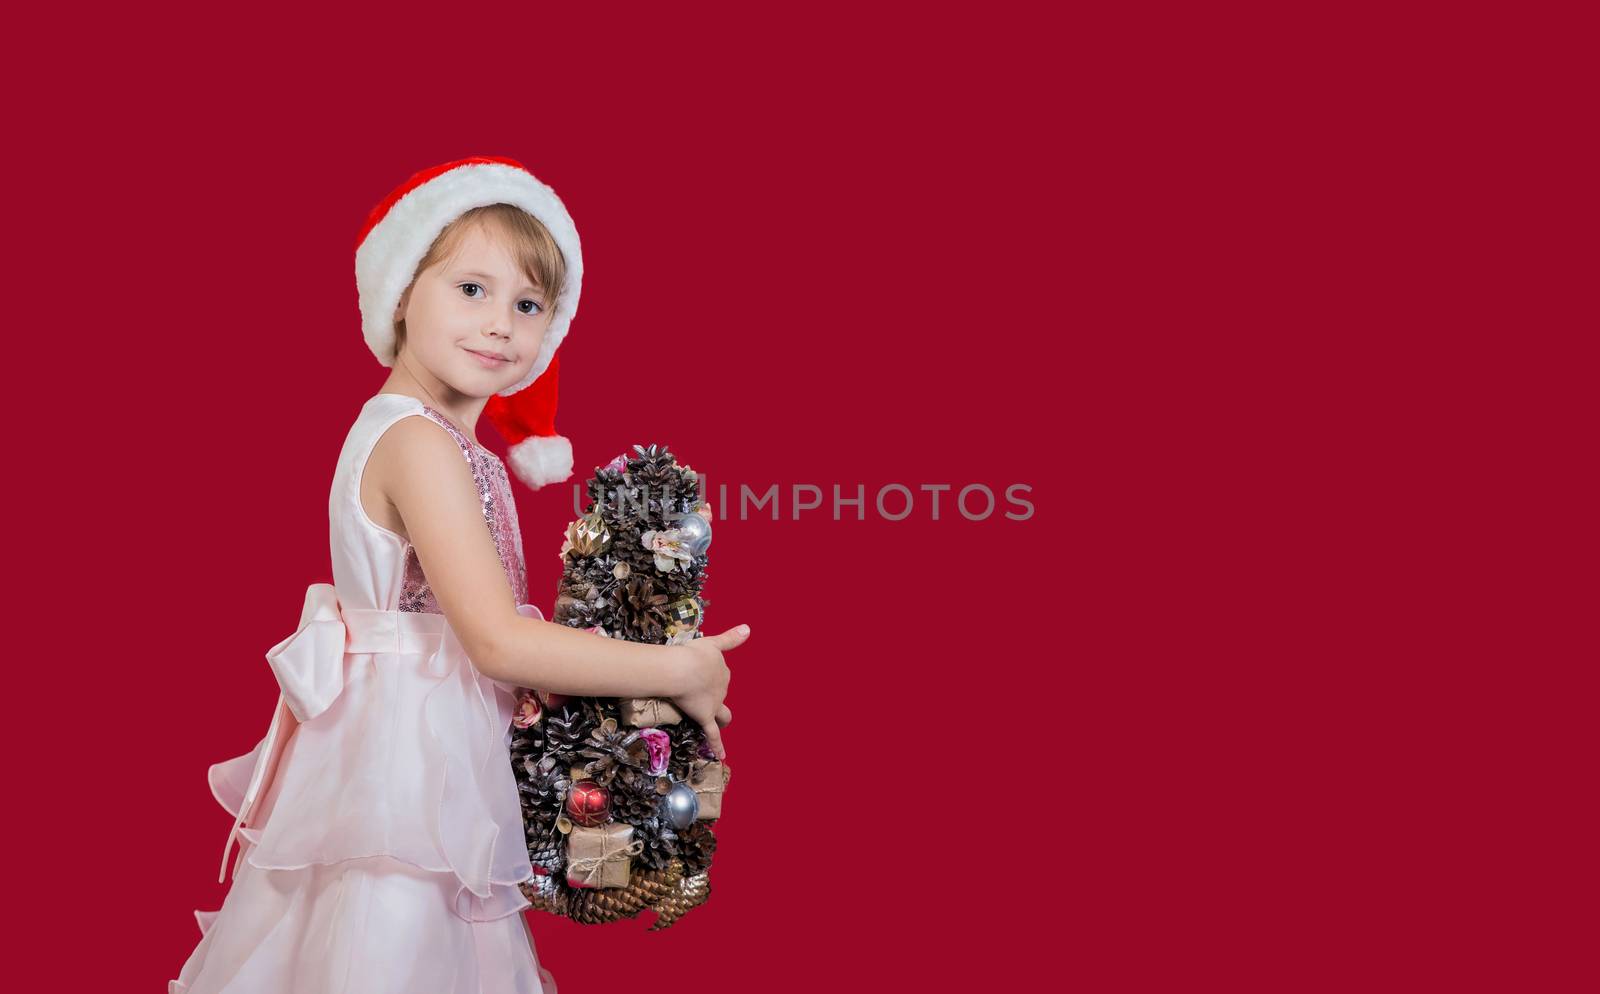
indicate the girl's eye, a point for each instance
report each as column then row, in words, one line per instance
column 537, row 308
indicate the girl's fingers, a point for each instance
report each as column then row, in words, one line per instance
column 714, row 739
column 724, row 716
column 732, row 638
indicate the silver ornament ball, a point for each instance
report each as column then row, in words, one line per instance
column 682, row 805
column 696, row 532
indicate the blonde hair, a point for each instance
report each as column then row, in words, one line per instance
column 525, row 236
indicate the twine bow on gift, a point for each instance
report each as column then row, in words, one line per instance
column 588, row 867
column 709, row 788
column 648, row 711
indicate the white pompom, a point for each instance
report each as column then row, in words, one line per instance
column 541, row 459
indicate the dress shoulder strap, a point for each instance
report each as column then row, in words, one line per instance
column 378, row 415
column 467, row 444
column 376, row 567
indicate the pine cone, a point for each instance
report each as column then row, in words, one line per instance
column 687, row 738
column 576, row 584
column 600, row 710
column 526, row 743
column 605, row 752
column 548, row 851
column 646, row 610
column 565, row 733
column 646, row 889
column 661, row 497
column 578, row 599
column 542, row 899
column 667, row 892
column 696, row 845
column 660, row 843
column 689, row 893
column 543, row 786
column 665, row 490
column 601, row 486
column 650, row 459
column 634, row 797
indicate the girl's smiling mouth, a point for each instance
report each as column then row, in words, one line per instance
column 489, row 358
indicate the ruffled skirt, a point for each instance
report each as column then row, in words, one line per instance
column 384, row 853
column 360, row 926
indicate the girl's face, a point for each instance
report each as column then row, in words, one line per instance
column 474, row 321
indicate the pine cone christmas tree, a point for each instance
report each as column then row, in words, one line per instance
column 633, row 568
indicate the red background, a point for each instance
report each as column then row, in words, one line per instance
column 1265, row 695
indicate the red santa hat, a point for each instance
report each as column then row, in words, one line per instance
column 399, row 232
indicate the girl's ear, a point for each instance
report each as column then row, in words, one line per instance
column 400, row 308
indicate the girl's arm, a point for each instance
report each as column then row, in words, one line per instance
column 419, row 469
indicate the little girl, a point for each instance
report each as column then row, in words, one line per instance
column 380, row 829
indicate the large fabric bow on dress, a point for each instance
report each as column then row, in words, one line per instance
column 309, row 666
column 464, row 717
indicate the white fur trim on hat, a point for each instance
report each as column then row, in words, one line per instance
column 541, row 459
column 388, row 257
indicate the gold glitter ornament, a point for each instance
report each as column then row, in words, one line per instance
column 590, row 536
column 685, row 612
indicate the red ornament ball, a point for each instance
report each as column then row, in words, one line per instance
column 588, row 804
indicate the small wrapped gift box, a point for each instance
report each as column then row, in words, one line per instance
column 709, row 780
column 647, row 712
column 601, row 856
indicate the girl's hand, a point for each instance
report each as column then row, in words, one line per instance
column 705, row 675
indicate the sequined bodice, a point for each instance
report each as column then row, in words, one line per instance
column 499, row 513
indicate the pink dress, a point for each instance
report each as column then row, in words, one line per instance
column 380, row 833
